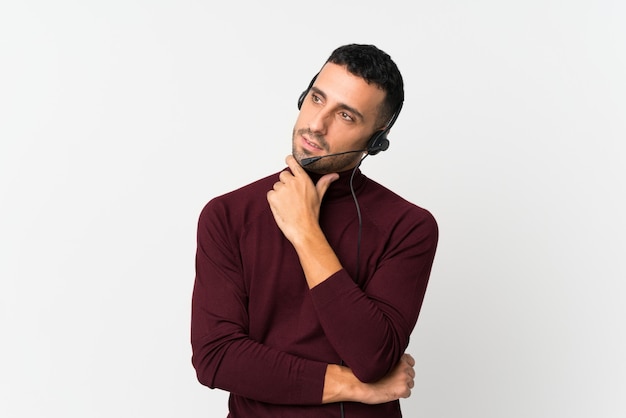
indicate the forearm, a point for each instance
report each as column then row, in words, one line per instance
column 317, row 258
column 243, row 366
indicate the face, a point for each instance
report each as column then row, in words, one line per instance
column 340, row 113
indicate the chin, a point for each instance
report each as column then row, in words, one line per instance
column 299, row 155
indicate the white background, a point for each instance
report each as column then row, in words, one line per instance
column 119, row 120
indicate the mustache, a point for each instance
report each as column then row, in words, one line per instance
column 321, row 141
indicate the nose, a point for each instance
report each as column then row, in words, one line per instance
column 319, row 121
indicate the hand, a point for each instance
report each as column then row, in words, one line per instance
column 397, row 384
column 340, row 384
column 295, row 201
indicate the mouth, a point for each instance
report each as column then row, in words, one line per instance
column 310, row 145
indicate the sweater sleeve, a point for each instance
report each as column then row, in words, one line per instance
column 223, row 354
column 370, row 325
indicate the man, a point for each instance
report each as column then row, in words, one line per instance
column 309, row 282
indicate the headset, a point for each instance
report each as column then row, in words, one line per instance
column 379, row 141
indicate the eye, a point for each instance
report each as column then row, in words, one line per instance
column 346, row 116
column 315, row 98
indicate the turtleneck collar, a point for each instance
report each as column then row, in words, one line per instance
column 341, row 187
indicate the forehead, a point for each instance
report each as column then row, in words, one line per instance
column 342, row 87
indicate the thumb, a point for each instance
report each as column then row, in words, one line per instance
column 324, row 182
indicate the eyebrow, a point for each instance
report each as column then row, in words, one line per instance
column 341, row 105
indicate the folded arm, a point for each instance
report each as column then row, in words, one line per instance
column 368, row 326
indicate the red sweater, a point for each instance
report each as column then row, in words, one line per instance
column 260, row 333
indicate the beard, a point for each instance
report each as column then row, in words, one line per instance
column 331, row 164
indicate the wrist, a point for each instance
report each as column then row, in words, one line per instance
column 317, row 258
column 341, row 385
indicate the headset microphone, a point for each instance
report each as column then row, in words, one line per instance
column 311, row 160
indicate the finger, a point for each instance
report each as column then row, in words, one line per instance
column 409, row 359
column 277, row 185
column 293, row 165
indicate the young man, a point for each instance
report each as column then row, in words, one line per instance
column 309, row 282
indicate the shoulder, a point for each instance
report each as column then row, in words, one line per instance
column 390, row 210
column 241, row 202
column 385, row 199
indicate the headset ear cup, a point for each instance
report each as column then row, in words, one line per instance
column 378, row 142
column 301, row 98
column 305, row 92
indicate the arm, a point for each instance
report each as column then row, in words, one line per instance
column 368, row 324
column 295, row 202
column 224, row 355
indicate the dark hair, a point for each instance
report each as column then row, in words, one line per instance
column 374, row 66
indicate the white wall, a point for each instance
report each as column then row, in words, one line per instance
column 120, row 119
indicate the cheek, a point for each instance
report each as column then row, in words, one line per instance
column 299, row 124
column 360, row 141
